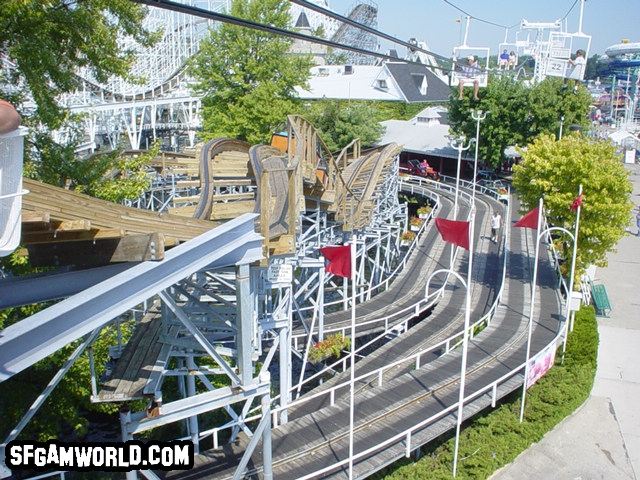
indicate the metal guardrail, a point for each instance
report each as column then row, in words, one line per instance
column 406, row 437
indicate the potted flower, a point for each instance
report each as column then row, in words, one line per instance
column 331, row 347
column 423, row 212
column 407, row 238
column 416, row 223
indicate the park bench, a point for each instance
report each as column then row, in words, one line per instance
column 600, row 299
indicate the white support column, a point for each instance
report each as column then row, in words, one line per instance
column 194, row 430
column 285, row 359
column 244, row 323
column 125, row 419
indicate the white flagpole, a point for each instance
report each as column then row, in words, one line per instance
column 353, row 353
column 533, row 298
column 569, row 327
column 465, row 341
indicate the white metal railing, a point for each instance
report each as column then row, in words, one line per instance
column 420, row 186
column 447, row 344
column 414, row 360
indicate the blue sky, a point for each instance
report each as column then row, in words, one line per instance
column 434, row 21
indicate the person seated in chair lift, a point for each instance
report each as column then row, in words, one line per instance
column 504, row 59
column 577, row 72
column 470, row 72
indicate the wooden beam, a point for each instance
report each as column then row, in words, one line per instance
column 132, row 248
column 60, row 236
column 35, row 217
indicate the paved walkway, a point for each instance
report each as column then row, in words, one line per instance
column 601, row 440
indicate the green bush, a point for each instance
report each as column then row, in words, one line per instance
column 496, row 437
column 331, row 347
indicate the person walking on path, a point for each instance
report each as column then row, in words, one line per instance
column 638, row 222
column 496, row 223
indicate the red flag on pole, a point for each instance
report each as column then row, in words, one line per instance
column 454, row 231
column 339, row 260
column 576, row 203
column 530, row 220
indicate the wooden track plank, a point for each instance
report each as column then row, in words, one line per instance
column 67, row 205
column 130, row 374
column 91, row 253
column 31, row 238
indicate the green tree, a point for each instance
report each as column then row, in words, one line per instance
column 555, row 170
column 46, row 43
column 114, row 177
column 49, row 41
column 246, row 76
column 341, row 122
column 518, row 114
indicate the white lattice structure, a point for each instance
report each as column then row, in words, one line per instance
column 163, row 101
column 316, row 19
column 164, row 105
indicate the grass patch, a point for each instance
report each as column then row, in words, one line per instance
column 495, row 438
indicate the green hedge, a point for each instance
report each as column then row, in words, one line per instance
column 496, row 437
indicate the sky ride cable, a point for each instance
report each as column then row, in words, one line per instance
column 221, row 17
column 353, row 23
column 479, row 19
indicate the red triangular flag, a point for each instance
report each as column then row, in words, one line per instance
column 530, row 220
column 339, row 260
column 576, row 203
column 453, row 231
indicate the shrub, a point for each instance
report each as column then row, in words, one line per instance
column 332, row 346
column 408, row 236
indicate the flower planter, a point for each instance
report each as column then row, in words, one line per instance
column 414, row 228
column 405, row 243
column 423, row 216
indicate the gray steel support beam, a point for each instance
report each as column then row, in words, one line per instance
column 200, row 337
column 263, row 430
column 28, row 289
column 285, row 367
column 125, row 420
column 190, row 406
column 53, row 383
column 267, row 456
column 49, row 330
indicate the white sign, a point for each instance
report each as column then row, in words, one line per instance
column 279, row 273
column 630, row 156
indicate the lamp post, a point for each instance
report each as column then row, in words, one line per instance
column 465, row 335
column 458, row 144
column 540, row 233
column 478, row 116
column 560, row 131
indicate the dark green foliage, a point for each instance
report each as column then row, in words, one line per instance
column 518, row 114
column 50, row 40
column 340, row 122
column 247, row 76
